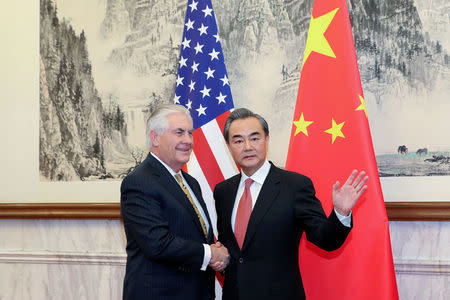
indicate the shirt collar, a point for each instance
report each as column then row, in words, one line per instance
column 171, row 171
column 260, row 175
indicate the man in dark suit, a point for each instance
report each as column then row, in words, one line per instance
column 169, row 233
column 262, row 213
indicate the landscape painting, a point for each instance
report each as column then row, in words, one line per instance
column 106, row 64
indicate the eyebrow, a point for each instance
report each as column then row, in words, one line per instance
column 184, row 129
column 250, row 135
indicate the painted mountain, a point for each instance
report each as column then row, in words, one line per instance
column 402, row 48
column 78, row 135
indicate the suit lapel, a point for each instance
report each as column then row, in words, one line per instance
column 172, row 187
column 229, row 200
column 266, row 197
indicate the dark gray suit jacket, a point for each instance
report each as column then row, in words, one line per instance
column 267, row 266
column 164, row 237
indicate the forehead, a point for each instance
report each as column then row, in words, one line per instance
column 245, row 126
column 179, row 120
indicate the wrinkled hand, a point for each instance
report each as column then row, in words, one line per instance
column 345, row 198
column 219, row 257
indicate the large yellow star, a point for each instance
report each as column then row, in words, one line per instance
column 335, row 130
column 362, row 106
column 301, row 125
column 316, row 40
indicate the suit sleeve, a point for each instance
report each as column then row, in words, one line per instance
column 218, row 203
column 143, row 219
column 326, row 233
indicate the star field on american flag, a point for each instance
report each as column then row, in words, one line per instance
column 202, row 84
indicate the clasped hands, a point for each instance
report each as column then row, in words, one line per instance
column 219, row 257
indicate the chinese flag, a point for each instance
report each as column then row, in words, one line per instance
column 330, row 137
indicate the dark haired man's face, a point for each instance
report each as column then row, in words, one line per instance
column 248, row 144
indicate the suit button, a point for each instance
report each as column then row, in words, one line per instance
column 241, row 260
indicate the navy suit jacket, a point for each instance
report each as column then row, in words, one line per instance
column 164, row 237
column 267, row 266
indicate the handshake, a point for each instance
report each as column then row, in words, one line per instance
column 219, row 257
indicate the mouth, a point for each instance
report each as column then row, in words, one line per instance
column 184, row 150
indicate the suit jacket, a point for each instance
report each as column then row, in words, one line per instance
column 267, row 266
column 164, row 237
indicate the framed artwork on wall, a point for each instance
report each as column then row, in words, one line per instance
column 79, row 79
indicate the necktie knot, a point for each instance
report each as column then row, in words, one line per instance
column 180, row 180
column 248, row 183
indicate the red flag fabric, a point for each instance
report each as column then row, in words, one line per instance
column 330, row 137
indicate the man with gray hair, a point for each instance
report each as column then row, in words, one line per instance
column 170, row 245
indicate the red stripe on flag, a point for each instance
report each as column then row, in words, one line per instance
column 222, row 119
column 220, row 278
column 221, row 122
column 206, row 159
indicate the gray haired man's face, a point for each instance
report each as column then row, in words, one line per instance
column 175, row 145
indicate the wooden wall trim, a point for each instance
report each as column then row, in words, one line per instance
column 418, row 211
column 59, row 211
column 396, row 211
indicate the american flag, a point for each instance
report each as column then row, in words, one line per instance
column 202, row 86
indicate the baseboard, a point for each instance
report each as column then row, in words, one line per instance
column 416, row 267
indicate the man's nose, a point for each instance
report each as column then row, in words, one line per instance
column 247, row 145
column 188, row 138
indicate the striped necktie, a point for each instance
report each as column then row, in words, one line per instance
column 186, row 191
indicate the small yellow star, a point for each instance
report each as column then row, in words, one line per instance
column 301, row 125
column 362, row 106
column 316, row 40
column 335, row 130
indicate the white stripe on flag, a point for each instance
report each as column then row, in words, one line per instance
column 218, row 290
column 216, row 142
column 195, row 171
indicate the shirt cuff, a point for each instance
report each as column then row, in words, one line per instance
column 345, row 220
column 207, row 257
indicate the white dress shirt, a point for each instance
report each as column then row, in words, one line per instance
column 207, row 256
column 259, row 177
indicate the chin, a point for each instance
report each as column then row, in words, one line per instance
column 249, row 162
column 248, row 166
column 184, row 159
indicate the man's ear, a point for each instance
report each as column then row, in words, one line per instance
column 154, row 137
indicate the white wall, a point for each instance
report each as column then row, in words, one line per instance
column 85, row 259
